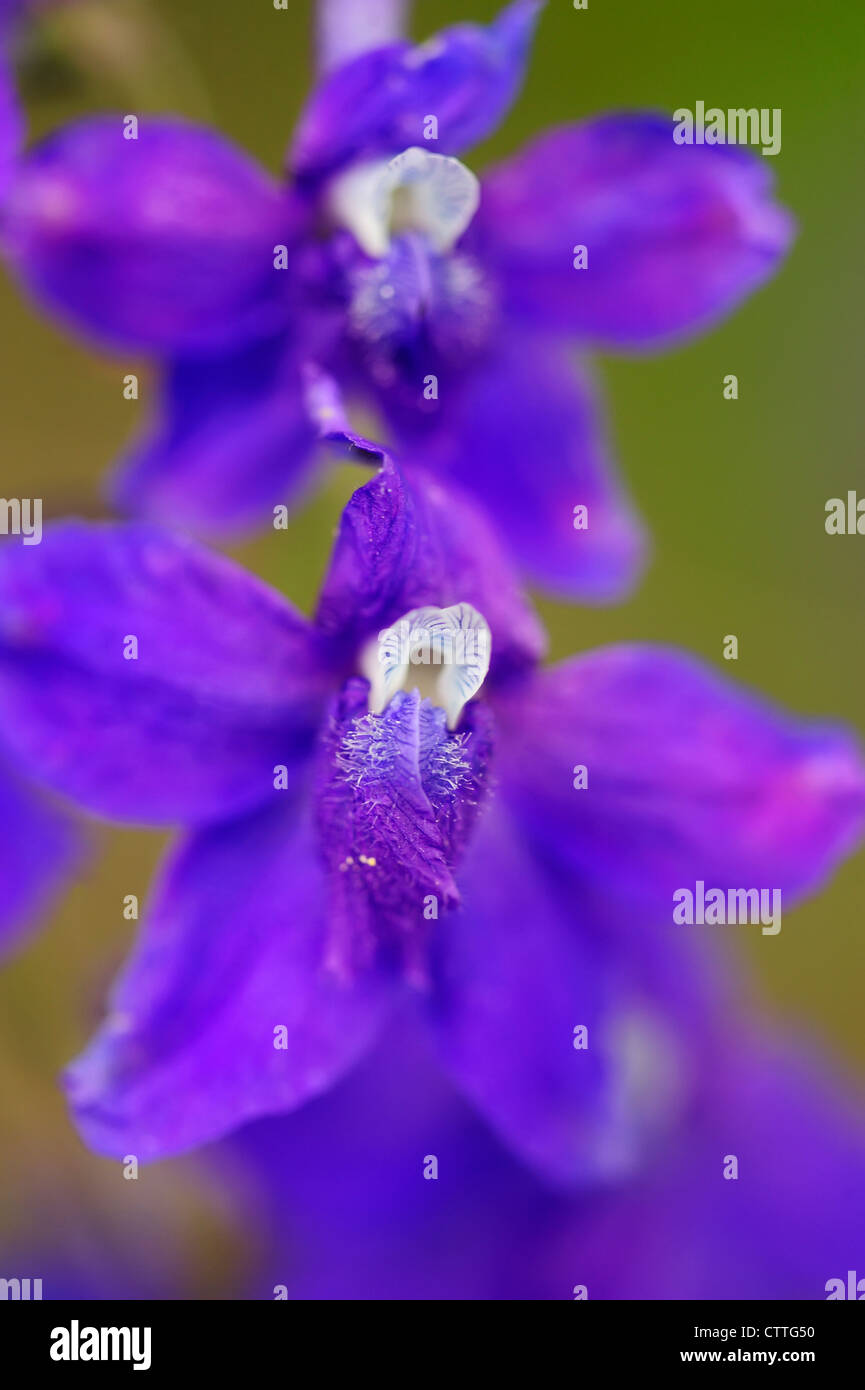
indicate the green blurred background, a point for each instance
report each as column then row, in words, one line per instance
column 733, row 492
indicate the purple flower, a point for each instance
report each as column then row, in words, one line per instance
column 381, row 260
column 352, row 845
column 350, row 1215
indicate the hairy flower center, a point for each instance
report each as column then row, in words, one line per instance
column 443, row 653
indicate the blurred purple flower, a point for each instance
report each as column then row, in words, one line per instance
column 793, row 1219
column 456, row 325
column 350, row 1215
column 340, row 858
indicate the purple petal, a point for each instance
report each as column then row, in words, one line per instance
column 467, row 77
column 523, row 432
column 163, row 243
column 514, row 981
column 345, row 1174
column 688, row 778
column 793, row 1219
column 396, row 800
column 677, row 235
column 231, row 441
column 227, row 682
column 406, row 541
column 38, row 848
column 232, row 951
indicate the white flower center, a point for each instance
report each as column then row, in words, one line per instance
column 417, row 191
column 442, row 652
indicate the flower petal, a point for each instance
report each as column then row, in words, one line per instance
column 232, row 440
column 163, row 243
column 226, row 682
column 688, row 778
column 676, row 235
column 780, row 1231
column 344, row 1174
column 232, row 951
column 38, row 848
column 467, row 76
column 406, row 541
column 523, row 433
column 513, row 983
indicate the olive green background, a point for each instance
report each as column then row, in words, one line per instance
column 733, row 492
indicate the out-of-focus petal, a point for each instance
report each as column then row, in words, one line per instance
column 513, row 982
column 148, row 679
column 352, row 1193
column 407, row 541
column 225, row 1011
column 466, row 77
column 349, row 1206
column 523, row 431
column 164, row 243
column 688, row 778
column 38, row 848
column 676, row 235
column 792, row 1219
column 231, row 441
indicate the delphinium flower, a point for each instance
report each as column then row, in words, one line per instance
column 359, row 833
column 389, row 1187
column 450, row 306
